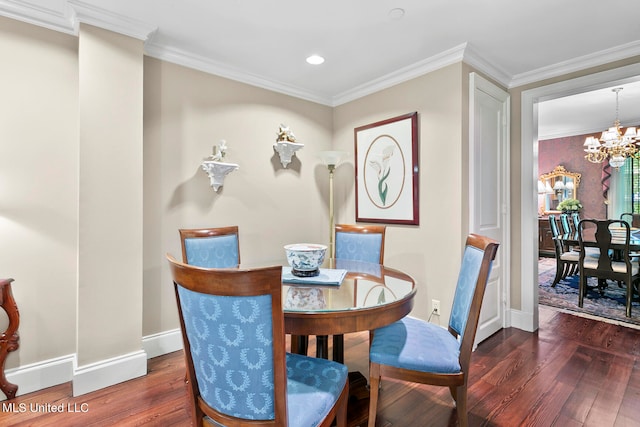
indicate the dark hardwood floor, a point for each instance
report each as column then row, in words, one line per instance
column 573, row 372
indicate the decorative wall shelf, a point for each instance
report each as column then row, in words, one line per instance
column 286, row 150
column 217, row 171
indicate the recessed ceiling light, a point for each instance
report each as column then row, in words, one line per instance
column 315, row 60
column 396, row 13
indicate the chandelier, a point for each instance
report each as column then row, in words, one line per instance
column 612, row 143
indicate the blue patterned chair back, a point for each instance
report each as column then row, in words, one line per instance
column 232, row 324
column 466, row 287
column 232, row 350
column 360, row 243
column 230, row 336
column 211, row 248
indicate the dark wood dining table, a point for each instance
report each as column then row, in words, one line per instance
column 572, row 239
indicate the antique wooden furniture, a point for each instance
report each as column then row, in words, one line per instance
column 418, row 351
column 239, row 373
column 211, row 247
column 9, row 338
column 546, row 245
column 612, row 239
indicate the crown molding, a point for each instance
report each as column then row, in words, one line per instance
column 197, row 62
column 476, row 60
column 77, row 11
column 404, row 74
column 577, row 64
column 36, row 15
column 88, row 14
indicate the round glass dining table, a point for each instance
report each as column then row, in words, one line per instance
column 370, row 296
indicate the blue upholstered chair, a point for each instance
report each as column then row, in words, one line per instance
column 417, row 351
column 360, row 242
column 237, row 367
column 211, row 247
column 357, row 243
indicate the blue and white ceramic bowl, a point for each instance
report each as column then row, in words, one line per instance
column 305, row 258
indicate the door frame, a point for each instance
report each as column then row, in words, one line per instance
column 527, row 317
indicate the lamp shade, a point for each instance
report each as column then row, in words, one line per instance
column 559, row 185
column 547, row 188
column 332, row 158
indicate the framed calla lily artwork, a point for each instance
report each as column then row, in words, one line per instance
column 387, row 171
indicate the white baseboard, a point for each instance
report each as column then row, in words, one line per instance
column 41, row 375
column 108, row 372
column 162, row 343
column 521, row 320
column 52, row 372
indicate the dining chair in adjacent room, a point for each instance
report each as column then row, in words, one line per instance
column 566, row 258
column 417, row 351
column 238, row 370
column 575, row 220
column 565, row 223
column 614, row 263
column 633, row 219
column 211, row 247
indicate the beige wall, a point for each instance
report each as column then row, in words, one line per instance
column 39, row 186
column 431, row 251
column 186, row 113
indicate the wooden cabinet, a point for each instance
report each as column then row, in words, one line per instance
column 546, row 246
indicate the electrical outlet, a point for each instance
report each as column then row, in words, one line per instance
column 435, row 306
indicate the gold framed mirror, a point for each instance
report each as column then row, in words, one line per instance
column 556, row 186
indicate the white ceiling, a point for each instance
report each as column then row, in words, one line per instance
column 265, row 42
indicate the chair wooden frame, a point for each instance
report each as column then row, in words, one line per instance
column 244, row 282
column 457, row 382
column 194, row 233
column 633, row 219
column 605, row 262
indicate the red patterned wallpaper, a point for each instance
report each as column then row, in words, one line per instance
column 569, row 152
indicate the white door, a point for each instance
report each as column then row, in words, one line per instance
column 489, row 190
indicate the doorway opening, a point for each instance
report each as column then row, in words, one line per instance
column 529, row 174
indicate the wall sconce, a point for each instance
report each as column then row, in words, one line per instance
column 286, row 145
column 215, row 168
column 286, row 150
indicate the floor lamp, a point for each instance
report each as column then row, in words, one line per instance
column 331, row 160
